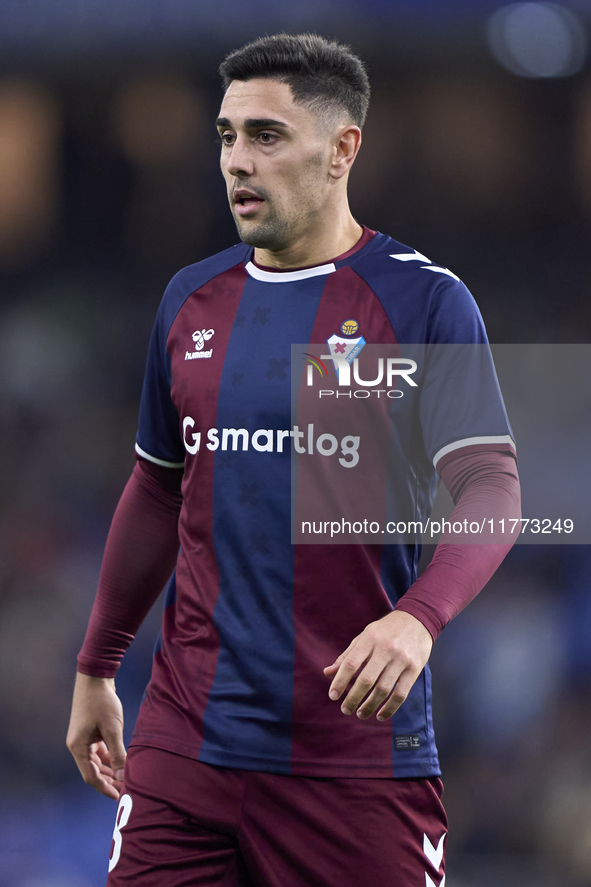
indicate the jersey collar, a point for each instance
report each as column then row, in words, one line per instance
column 302, row 273
column 289, row 276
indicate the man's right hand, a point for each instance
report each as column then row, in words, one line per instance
column 95, row 734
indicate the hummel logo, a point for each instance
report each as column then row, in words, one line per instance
column 200, row 337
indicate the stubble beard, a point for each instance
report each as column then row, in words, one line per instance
column 272, row 233
column 278, row 231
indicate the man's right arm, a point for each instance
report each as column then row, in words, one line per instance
column 140, row 555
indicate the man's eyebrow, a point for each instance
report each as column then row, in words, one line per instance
column 252, row 123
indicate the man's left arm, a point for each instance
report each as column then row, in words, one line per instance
column 388, row 656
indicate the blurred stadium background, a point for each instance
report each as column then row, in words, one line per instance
column 478, row 153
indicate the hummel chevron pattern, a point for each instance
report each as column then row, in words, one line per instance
column 411, row 257
column 419, row 257
column 435, row 857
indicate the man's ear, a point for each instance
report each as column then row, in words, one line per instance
column 346, row 145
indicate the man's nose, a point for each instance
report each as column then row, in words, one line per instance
column 240, row 162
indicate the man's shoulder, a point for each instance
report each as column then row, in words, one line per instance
column 386, row 257
column 192, row 277
column 424, row 300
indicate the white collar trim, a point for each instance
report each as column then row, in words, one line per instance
column 289, row 276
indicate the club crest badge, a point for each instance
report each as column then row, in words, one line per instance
column 343, row 348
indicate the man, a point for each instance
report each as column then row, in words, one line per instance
column 246, row 766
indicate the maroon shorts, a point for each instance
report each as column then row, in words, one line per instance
column 181, row 823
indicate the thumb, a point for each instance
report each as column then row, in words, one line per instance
column 117, row 752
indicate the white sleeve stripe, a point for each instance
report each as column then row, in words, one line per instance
column 156, row 461
column 472, row 441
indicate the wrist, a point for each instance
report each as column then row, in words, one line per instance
column 90, row 681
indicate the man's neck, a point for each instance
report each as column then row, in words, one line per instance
column 312, row 250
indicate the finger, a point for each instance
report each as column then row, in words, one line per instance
column 116, row 750
column 102, row 753
column 88, row 763
column 352, row 662
column 102, row 759
column 399, row 695
column 335, row 665
column 382, row 689
column 338, row 660
column 105, row 779
column 331, row 669
column 364, row 684
column 104, row 784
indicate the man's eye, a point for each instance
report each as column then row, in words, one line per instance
column 227, row 138
column 267, row 137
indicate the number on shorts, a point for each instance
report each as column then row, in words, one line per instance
column 121, row 820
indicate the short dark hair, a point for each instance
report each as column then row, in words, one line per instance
column 322, row 74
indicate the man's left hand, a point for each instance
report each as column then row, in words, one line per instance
column 387, row 658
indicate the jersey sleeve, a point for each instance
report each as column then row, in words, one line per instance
column 158, row 437
column 480, row 483
column 461, row 405
column 139, row 557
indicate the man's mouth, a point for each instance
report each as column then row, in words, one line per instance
column 245, row 201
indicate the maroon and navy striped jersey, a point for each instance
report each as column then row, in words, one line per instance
column 251, row 619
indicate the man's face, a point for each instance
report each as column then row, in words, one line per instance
column 274, row 158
